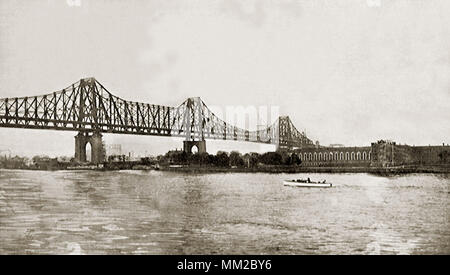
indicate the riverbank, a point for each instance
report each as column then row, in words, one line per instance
column 260, row 169
column 305, row 169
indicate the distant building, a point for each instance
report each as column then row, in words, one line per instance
column 45, row 162
column 64, row 159
column 113, row 150
column 383, row 153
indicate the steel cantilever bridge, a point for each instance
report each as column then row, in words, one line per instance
column 90, row 109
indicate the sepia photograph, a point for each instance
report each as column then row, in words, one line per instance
column 224, row 127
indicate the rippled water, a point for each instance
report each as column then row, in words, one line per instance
column 154, row 212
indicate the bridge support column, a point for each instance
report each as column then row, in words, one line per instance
column 80, row 147
column 200, row 144
column 97, row 150
column 98, row 154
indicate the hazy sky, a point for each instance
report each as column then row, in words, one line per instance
column 349, row 72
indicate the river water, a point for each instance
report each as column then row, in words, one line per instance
column 155, row 212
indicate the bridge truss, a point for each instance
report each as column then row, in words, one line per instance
column 87, row 106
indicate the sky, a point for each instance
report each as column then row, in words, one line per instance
column 346, row 72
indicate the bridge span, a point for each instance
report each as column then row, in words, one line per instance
column 90, row 109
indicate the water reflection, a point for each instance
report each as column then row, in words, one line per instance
column 154, row 212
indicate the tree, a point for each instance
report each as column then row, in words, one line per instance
column 254, row 159
column 286, row 158
column 222, row 159
column 236, row 159
column 296, row 159
column 182, row 157
column 203, row 158
column 176, row 157
column 290, row 159
column 271, row 158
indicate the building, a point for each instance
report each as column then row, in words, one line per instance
column 383, row 153
column 335, row 156
column 113, row 150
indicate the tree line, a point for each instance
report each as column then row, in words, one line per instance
column 224, row 159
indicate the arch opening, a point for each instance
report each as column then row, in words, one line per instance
column 88, row 150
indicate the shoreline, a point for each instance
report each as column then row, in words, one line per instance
column 294, row 170
column 263, row 169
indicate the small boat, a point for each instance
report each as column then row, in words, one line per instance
column 306, row 183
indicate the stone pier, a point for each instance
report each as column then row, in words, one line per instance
column 200, row 144
column 97, row 150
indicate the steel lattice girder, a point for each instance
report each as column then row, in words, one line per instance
column 88, row 106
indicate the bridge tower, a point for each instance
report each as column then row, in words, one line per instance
column 284, row 134
column 189, row 144
column 194, row 123
column 289, row 137
column 88, row 112
column 97, row 150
